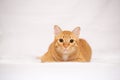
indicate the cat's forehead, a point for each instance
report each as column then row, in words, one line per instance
column 66, row 34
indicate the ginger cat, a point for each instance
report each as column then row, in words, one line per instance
column 67, row 47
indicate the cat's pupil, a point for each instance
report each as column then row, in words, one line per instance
column 61, row 40
column 71, row 41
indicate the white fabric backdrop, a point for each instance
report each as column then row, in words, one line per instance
column 26, row 28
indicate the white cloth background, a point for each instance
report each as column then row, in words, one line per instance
column 26, row 30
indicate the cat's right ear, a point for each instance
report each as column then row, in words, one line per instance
column 57, row 30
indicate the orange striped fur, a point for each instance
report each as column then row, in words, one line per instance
column 67, row 46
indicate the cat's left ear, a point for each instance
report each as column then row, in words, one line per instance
column 76, row 31
column 57, row 30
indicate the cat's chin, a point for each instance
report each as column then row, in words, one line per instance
column 66, row 52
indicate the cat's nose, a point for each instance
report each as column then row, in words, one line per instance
column 65, row 45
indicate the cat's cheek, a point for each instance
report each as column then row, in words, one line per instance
column 58, row 49
column 73, row 49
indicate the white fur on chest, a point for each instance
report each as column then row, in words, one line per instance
column 65, row 57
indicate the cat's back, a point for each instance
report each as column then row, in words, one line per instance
column 85, row 49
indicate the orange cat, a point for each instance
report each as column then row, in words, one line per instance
column 67, row 47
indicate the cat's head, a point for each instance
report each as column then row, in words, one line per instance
column 66, row 42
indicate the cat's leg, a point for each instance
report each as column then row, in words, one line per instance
column 47, row 58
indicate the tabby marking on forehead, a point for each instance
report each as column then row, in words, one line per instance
column 66, row 35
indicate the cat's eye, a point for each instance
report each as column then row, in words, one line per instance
column 61, row 40
column 71, row 41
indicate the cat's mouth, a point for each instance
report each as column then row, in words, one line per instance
column 65, row 51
